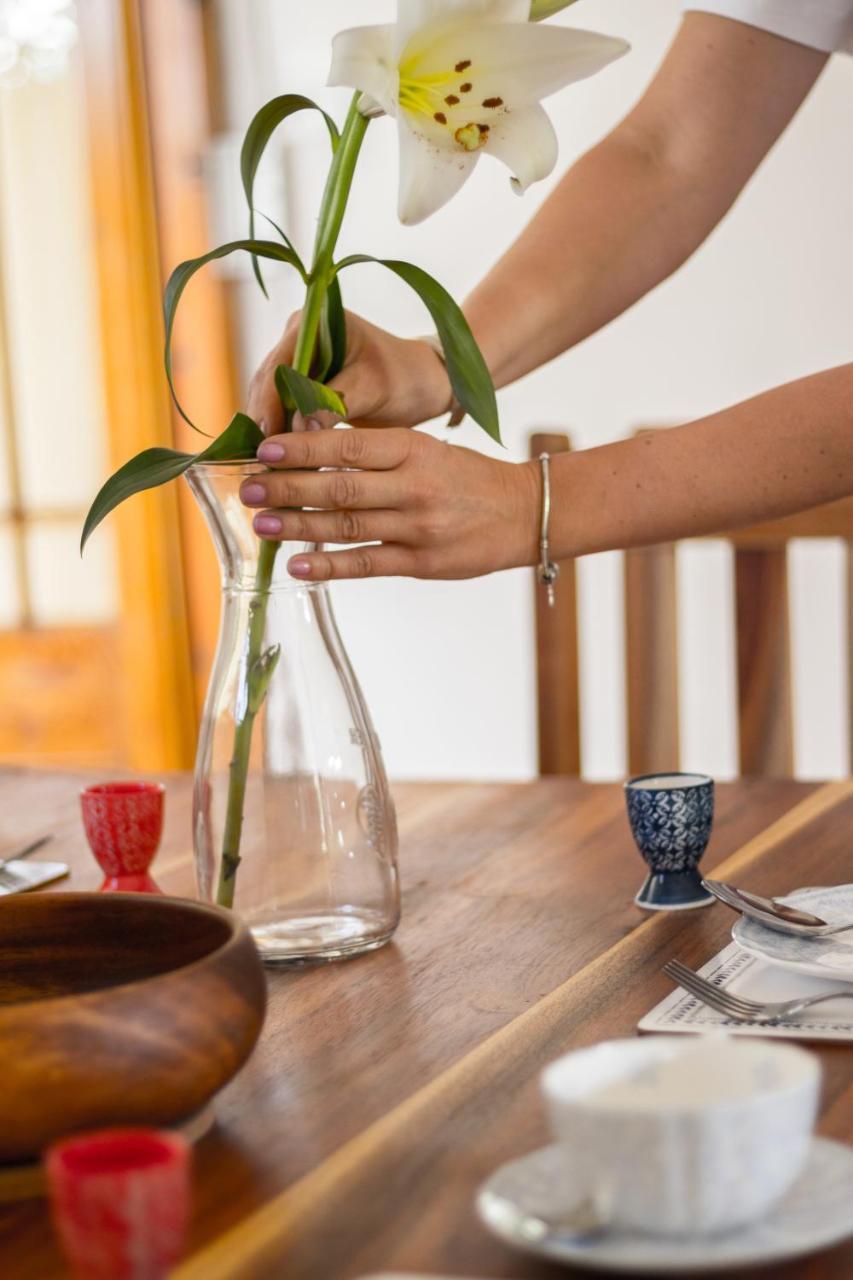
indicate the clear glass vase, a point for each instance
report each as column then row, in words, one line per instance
column 317, row 876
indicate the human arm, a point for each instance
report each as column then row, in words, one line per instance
column 634, row 209
column 438, row 511
column 622, row 219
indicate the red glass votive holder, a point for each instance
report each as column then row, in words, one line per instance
column 124, row 823
column 120, row 1202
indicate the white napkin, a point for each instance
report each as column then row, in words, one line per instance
column 755, row 979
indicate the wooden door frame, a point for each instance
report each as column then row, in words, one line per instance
column 156, row 688
column 183, row 98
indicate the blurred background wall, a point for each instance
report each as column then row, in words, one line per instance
column 448, row 668
column 53, row 412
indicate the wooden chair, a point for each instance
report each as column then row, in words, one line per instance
column 763, row 646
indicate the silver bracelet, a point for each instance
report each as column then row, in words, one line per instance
column 547, row 571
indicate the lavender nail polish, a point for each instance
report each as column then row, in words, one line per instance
column 267, row 524
column 253, row 495
column 299, row 568
column 270, row 451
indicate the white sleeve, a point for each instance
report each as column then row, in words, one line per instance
column 821, row 24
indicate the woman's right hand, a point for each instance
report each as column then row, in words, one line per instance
column 385, row 382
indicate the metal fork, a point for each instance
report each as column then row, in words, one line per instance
column 9, row 879
column 736, row 1007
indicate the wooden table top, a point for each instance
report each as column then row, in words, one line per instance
column 385, row 1089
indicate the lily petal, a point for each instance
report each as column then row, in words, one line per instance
column 526, row 143
column 363, row 58
column 519, row 64
column 430, row 173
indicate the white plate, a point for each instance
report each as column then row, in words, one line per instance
column 819, row 957
column 815, row 1214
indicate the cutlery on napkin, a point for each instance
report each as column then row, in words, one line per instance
column 17, row 876
column 756, row 979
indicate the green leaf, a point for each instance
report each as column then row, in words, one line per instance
column 237, row 443
column 469, row 376
column 541, row 9
column 286, row 240
column 181, row 276
column 154, row 467
column 298, row 392
column 258, row 134
column 332, row 338
column 148, row 469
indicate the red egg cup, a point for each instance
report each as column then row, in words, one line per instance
column 120, row 1201
column 123, row 823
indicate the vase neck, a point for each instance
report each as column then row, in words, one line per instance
column 216, row 488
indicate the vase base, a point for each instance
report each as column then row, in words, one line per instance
column 285, row 943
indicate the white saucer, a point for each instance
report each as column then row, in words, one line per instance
column 815, row 1214
column 819, row 957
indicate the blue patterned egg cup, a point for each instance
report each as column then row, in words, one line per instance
column 671, row 816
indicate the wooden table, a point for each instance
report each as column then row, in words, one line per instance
column 385, row 1089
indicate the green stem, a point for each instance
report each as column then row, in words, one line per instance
column 332, row 210
column 259, row 666
column 238, row 771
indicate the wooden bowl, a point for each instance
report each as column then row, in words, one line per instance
column 118, row 1009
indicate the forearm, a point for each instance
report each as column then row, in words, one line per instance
column 784, row 451
column 618, row 224
column 636, row 206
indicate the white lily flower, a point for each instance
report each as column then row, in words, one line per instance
column 464, row 77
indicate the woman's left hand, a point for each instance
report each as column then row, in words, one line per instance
column 428, row 509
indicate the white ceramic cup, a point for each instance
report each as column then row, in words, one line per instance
column 676, row 1137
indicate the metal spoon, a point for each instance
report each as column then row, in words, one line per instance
column 580, row 1222
column 773, row 914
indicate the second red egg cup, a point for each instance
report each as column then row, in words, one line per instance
column 123, row 823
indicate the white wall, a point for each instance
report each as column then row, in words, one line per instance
column 448, row 667
column 47, row 239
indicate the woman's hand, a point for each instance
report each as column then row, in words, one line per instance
column 385, row 382
column 430, row 509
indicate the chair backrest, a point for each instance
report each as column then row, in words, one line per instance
column 763, row 646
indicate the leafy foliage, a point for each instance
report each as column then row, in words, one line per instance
column 153, row 467
column 258, row 134
column 332, row 343
column 469, row 377
column 298, row 392
column 286, row 240
column 181, row 276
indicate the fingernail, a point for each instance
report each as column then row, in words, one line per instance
column 299, row 568
column 313, row 425
column 267, row 524
column 270, row 451
column 254, row 495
